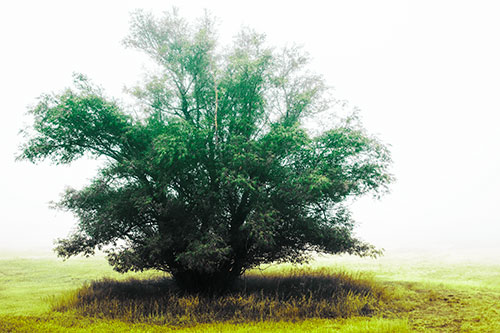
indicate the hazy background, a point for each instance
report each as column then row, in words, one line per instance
column 425, row 74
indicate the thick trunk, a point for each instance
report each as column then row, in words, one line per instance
column 205, row 282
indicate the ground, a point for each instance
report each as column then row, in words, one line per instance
column 431, row 291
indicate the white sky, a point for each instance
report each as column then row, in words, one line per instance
column 426, row 75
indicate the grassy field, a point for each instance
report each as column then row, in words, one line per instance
column 396, row 293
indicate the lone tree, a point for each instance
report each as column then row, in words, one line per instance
column 218, row 173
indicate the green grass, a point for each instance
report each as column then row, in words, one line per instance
column 390, row 294
column 27, row 284
column 68, row 323
column 438, row 292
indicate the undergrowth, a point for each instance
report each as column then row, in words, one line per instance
column 281, row 296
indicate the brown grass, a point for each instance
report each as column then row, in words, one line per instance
column 286, row 295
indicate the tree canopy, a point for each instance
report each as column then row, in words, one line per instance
column 217, row 173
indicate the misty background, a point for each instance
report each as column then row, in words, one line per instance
column 425, row 75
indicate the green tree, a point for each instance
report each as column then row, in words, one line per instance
column 217, row 174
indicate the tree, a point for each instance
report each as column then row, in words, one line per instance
column 217, row 174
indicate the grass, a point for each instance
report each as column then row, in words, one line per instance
column 391, row 294
column 285, row 296
column 68, row 323
column 27, row 283
column 438, row 292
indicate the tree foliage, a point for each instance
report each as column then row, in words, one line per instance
column 218, row 173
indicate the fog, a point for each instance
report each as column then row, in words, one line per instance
column 424, row 74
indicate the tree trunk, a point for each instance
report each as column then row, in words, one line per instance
column 205, row 282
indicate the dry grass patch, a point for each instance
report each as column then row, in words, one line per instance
column 292, row 295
